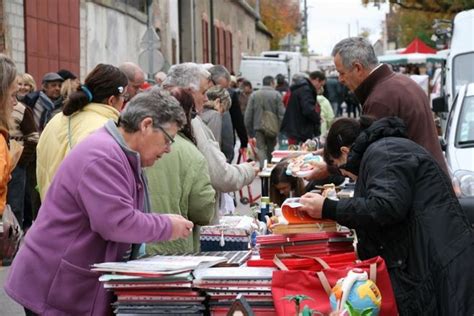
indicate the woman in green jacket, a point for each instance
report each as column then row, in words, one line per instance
column 179, row 183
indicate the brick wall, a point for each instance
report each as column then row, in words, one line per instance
column 83, row 39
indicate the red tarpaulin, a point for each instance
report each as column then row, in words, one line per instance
column 418, row 46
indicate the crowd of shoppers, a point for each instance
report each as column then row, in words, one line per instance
column 125, row 169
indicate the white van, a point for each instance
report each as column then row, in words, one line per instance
column 460, row 61
column 459, row 68
column 294, row 60
column 459, row 139
column 255, row 68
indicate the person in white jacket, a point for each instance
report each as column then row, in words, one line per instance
column 225, row 177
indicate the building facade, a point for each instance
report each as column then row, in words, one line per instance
column 47, row 35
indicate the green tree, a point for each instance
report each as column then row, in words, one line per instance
column 409, row 18
column 418, row 24
column 434, row 6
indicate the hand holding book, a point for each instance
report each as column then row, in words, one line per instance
column 312, row 204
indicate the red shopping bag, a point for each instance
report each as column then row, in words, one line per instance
column 317, row 286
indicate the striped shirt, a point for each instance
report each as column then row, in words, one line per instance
column 24, row 131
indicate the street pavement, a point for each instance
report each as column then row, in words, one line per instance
column 8, row 306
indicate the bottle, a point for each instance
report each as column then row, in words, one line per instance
column 264, row 208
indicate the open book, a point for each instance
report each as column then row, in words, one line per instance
column 158, row 265
column 293, row 220
column 290, row 213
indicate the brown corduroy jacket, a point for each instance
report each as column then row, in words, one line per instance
column 384, row 93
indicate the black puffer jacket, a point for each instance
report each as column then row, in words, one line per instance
column 302, row 118
column 404, row 209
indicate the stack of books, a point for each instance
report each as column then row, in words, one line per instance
column 158, row 285
column 306, row 244
column 223, row 285
column 154, row 295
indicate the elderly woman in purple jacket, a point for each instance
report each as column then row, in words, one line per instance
column 96, row 208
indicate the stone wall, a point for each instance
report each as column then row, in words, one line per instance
column 12, row 34
column 112, row 36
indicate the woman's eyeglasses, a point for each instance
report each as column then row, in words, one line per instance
column 169, row 139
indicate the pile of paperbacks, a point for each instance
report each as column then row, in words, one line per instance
column 223, row 285
column 306, row 244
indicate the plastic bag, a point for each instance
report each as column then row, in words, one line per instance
column 10, row 236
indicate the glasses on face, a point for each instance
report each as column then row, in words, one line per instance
column 169, row 139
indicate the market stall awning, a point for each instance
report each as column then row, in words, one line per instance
column 414, row 58
column 418, row 46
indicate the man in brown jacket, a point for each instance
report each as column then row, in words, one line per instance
column 384, row 93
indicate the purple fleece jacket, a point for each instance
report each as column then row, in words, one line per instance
column 92, row 213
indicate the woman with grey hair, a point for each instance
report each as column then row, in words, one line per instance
column 191, row 76
column 97, row 206
column 218, row 103
column 225, row 177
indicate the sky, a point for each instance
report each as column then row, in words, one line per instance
column 329, row 21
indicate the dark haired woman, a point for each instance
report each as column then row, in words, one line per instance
column 87, row 109
column 283, row 186
column 179, row 183
column 404, row 209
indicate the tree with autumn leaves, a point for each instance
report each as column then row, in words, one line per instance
column 281, row 17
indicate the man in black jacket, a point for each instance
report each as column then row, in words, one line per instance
column 302, row 118
column 404, row 210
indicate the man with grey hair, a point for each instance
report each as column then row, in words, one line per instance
column 221, row 76
column 97, row 206
column 384, row 93
column 136, row 77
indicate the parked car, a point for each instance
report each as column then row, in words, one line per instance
column 459, row 139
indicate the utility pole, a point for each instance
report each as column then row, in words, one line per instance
column 304, row 47
column 213, row 33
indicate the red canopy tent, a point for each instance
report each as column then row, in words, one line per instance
column 418, row 46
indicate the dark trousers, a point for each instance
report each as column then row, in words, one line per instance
column 265, row 147
column 16, row 193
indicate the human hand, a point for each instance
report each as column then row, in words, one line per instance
column 319, row 152
column 181, row 227
column 312, row 204
column 320, row 170
column 256, row 169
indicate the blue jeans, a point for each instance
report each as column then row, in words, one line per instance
column 16, row 193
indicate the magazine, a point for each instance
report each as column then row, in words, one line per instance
column 158, row 265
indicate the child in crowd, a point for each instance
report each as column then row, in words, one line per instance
column 283, row 186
